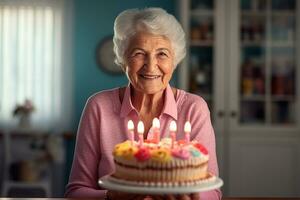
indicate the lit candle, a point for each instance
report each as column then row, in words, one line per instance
column 140, row 129
column 130, row 127
column 156, row 133
column 173, row 129
column 187, row 131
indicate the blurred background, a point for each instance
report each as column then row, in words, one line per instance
column 243, row 59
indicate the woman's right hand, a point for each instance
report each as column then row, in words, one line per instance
column 116, row 195
column 193, row 196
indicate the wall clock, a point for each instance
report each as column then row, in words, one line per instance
column 105, row 56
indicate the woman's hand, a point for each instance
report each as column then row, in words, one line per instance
column 115, row 195
column 193, row 196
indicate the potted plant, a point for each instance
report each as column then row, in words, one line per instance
column 23, row 111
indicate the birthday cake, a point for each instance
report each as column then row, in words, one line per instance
column 162, row 163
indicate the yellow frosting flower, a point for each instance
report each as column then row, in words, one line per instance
column 129, row 153
column 161, row 155
column 124, row 149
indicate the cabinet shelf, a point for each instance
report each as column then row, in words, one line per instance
column 201, row 43
column 284, row 13
column 252, row 13
column 283, row 98
column 253, row 98
column 284, row 44
column 274, row 98
column 263, row 43
column 253, row 43
column 19, row 184
column 202, row 13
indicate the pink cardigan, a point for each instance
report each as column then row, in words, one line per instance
column 103, row 124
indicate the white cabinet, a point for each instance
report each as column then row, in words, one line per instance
column 243, row 58
column 27, row 163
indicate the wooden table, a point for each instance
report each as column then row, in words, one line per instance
column 225, row 198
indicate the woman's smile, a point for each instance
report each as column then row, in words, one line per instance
column 149, row 76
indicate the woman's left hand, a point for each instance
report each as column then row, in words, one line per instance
column 193, row 196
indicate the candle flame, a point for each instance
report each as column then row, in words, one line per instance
column 187, row 127
column 140, row 127
column 130, row 125
column 173, row 126
column 155, row 123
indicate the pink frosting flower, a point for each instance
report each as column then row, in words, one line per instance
column 142, row 154
column 181, row 153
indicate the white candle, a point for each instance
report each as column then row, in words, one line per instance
column 187, row 131
column 173, row 129
column 156, row 133
column 130, row 127
column 140, row 129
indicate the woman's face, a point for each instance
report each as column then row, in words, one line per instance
column 149, row 62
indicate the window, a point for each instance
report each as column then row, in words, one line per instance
column 35, row 62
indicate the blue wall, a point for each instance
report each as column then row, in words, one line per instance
column 93, row 20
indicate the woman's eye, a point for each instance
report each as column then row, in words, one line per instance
column 139, row 53
column 162, row 54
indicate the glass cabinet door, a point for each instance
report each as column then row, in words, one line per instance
column 267, row 62
column 201, row 49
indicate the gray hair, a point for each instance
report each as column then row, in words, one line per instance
column 155, row 21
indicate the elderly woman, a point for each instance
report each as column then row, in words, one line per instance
column 148, row 44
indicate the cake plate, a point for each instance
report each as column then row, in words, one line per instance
column 110, row 183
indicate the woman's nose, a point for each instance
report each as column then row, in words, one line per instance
column 151, row 63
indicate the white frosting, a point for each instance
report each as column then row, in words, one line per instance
column 163, row 184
